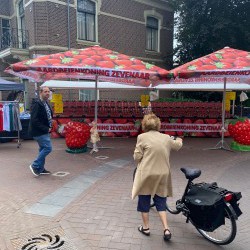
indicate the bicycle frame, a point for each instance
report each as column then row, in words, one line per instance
column 231, row 209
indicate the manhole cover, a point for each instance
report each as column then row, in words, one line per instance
column 101, row 157
column 60, row 174
column 50, row 240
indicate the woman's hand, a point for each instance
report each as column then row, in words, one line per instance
column 179, row 139
column 176, row 138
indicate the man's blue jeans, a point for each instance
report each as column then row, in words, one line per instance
column 45, row 147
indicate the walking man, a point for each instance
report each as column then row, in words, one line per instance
column 40, row 127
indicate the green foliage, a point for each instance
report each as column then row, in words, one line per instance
column 246, row 103
column 205, row 26
column 204, row 96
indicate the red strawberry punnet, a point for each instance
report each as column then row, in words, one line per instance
column 121, row 121
column 198, row 134
column 55, row 135
column 54, row 126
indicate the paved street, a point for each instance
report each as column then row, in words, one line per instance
column 86, row 203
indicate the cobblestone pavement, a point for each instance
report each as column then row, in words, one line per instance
column 90, row 207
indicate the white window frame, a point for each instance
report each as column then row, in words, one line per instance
column 159, row 17
column 5, row 27
column 20, row 31
column 3, row 33
column 97, row 6
column 153, row 34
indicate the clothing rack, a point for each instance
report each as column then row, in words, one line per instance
column 16, row 103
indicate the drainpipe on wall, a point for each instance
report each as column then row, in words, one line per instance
column 68, row 25
column 68, row 9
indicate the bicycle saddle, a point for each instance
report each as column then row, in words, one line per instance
column 191, row 173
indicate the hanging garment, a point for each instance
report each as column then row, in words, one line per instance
column 16, row 118
column 6, row 117
column 1, row 117
column 11, row 116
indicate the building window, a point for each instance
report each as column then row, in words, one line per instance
column 21, row 8
column 5, row 26
column 86, row 18
column 152, row 34
column 21, row 26
column 21, row 15
column 6, row 37
column 86, row 95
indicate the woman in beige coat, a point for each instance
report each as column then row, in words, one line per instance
column 153, row 176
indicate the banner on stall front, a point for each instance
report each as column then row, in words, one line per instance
column 164, row 127
column 189, row 127
column 116, row 127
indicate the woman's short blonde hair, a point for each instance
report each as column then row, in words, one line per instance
column 151, row 122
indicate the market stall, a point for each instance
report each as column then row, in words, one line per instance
column 10, row 123
column 9, row 86
column 117, row 117
column 92, row 63
column 226, row 63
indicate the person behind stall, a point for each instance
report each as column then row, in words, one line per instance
column 94, row 137
column 153, row 176
column 39, row 127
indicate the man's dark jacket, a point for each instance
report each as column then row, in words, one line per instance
column 39, row 123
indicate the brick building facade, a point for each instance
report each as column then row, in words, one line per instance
column 139, row 28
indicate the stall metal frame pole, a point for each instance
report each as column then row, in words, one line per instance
column 18, row 130
column 99, row 145
column 222, row 144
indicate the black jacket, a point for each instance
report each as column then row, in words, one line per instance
column 39, row 123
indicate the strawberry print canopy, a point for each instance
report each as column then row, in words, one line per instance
column 226, row 62
column 90, row 63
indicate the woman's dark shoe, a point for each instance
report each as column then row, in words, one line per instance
column 144, row 231
column 167, row 235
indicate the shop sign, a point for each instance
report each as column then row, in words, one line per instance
column 56, row 98
column 231, row 95
column 58, row 107
column 145, row 100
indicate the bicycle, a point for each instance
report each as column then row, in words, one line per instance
column 216, row 224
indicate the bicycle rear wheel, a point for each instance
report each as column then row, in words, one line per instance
column 172, row 205
column 223, row 235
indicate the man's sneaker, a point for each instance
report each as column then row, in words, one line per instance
column 34, row 171
column 45, row 172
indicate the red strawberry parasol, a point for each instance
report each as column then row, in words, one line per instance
column 91, row 63
column 231, row 64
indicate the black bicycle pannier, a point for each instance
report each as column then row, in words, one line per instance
column 206, row 207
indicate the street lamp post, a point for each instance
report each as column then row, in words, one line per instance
column 68, row 9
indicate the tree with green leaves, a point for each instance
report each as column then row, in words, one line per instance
column 204, row 26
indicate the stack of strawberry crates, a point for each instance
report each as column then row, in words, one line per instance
column 125, row 109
